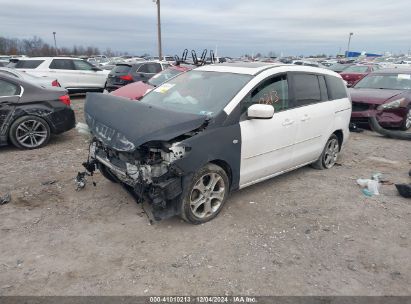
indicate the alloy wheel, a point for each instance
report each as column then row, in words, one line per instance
column 331, row 153
column 207, row 195
column 31, row 133
column 408, row 120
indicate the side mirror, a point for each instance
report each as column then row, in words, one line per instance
column 260, row 111
column 95, row 69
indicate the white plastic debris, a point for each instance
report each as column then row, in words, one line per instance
column 83, row 128
column 371, row 185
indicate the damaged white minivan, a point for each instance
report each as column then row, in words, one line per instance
column 205, row 133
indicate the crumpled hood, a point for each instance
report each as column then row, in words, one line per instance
column 125, row 125
column 373, row 96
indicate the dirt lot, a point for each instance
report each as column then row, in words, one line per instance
column 304, row 233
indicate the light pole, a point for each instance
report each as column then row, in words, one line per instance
column 55, row 43
column 349, row 43
column 160, row 53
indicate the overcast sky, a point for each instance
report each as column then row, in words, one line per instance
column 291, row 27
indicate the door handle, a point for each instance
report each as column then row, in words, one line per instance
column 305, row 118
column 288, row 122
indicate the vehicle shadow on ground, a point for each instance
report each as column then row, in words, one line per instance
column 235, row 197
column 54, row 140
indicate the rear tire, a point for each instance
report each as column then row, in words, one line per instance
column 206, row 194
column 329, row 156
column 29, row 132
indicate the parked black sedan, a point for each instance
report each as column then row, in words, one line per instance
column 29, row 113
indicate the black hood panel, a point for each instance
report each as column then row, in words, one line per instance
column 124, row 125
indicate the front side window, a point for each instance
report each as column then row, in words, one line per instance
column 8, row 88
column 197, row 92
column 306, row 89
column 62, row 64
column 28, row 64
column 272, row 91
column 82, row 65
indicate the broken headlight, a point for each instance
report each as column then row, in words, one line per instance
column 395, row 104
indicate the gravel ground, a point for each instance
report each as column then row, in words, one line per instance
column 307, row 232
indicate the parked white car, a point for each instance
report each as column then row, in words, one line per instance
column 194, row 139
column 74, row 74
column 41, row 81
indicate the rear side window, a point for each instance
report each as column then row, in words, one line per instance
column 152, row 68
column 306, row 89
column 82, row 65
column 62, row 64
column 28, row 64
column 121, row 69
column 336, row 87
column 8, row 88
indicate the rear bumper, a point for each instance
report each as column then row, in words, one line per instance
column 62, row 120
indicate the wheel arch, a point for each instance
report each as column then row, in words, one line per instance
column 226, row 167
column 340, row 137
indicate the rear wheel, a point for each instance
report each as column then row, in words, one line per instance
column 329, row 156
column 29, row 132
column 206, row 195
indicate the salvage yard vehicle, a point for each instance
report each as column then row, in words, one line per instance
column 385, row 94
column 29, row 114
column 74, row 74
column 137, row 90
column 354, row 73
column 215, row 129
column 126, row 73
column 41, row 81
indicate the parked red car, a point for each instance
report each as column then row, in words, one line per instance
column 386, row 94
column 137, row 90
column 354, row 73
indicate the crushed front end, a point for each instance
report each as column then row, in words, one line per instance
column 148, row 173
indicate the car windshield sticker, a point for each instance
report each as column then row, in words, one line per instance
column 164, row 88
column 404, row 76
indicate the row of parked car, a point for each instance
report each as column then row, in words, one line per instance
column 383, row 92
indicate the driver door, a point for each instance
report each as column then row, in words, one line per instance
column 267, row 145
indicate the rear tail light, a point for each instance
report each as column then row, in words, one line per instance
column 126, row 77
column 65, row 99
column 55, row 83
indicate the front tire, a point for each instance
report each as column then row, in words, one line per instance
column 329, row 156
column 406, row 125
column 29, row 132
column 206, row 194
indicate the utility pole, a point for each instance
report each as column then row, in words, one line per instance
column 349, row 43
column 55, row 43
column 160, row 52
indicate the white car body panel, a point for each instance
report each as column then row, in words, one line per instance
column 291, row 138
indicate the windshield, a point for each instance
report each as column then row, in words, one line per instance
column 197, row 92
column 163, row 76
column 389, row 82
column 356, row 69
